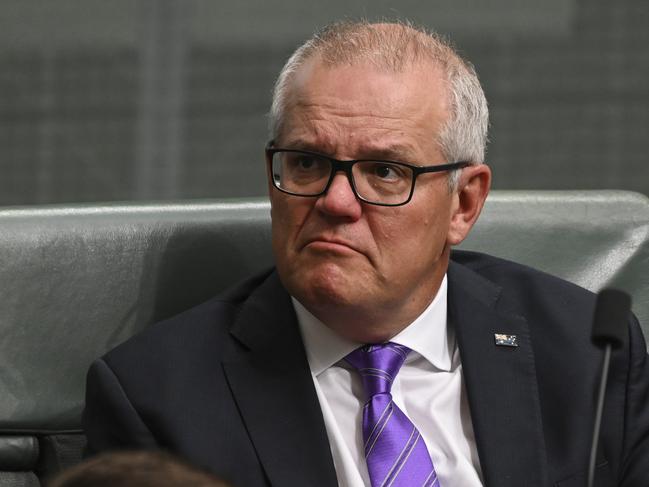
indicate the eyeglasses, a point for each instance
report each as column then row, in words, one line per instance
column 383, row 183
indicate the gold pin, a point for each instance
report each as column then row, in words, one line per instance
column 503, row 340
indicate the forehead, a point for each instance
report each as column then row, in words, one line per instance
column 360, row 108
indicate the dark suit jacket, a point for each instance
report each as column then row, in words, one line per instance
column 227, row 385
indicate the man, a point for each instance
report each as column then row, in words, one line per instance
column 371, row 355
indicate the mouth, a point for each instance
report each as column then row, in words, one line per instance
column 331, row 245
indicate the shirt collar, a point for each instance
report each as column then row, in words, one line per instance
column 427, row 335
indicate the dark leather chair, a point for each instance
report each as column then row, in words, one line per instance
column 77, row 280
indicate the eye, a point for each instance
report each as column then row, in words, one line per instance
column 386, row 172
column 305, row 162
column 304, row 167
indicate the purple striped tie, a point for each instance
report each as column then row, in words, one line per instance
column 395, row 452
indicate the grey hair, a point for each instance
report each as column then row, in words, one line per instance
column 394, row 47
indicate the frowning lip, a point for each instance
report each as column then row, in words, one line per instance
column 331, row 244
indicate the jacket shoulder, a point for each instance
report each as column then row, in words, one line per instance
column 541, row 298
column 509, row 274
column 205, row 323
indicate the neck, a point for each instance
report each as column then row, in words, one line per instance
column 375, row 324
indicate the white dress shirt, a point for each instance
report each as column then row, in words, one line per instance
column 429, row 389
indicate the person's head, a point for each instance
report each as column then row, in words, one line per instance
column 374, row 92
column 135, row 469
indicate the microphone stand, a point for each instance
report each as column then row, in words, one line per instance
column 598, row 414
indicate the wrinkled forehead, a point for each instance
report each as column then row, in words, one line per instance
column 319, row 87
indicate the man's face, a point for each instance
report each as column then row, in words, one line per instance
column 354, row 265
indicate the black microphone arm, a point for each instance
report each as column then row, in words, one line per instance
column 612, row 310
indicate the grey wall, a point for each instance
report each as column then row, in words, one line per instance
column 155, row 99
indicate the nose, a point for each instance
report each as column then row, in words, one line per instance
column 340, row 200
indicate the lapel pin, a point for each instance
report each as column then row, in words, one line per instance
column 503, row 340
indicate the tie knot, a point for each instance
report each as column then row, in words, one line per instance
column 378, row 365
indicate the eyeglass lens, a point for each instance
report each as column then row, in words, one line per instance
column 308, row 174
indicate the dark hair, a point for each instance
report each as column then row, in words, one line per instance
column 135, row 469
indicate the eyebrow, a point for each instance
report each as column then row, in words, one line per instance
column 395, row 152
column 391, row 152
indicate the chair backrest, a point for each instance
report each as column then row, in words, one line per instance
column 77, row 280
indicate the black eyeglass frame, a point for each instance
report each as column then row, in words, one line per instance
column 346, row 167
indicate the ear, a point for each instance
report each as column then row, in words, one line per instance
column 468, row 200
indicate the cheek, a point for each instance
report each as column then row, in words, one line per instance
column 287, row 216
column 282, row 210
column 418, row 233
column 396, row 237
column 279, row 214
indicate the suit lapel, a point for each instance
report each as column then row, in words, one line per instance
column 273, row 388
column 500, row 381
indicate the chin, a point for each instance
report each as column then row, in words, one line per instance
column 324, row 284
